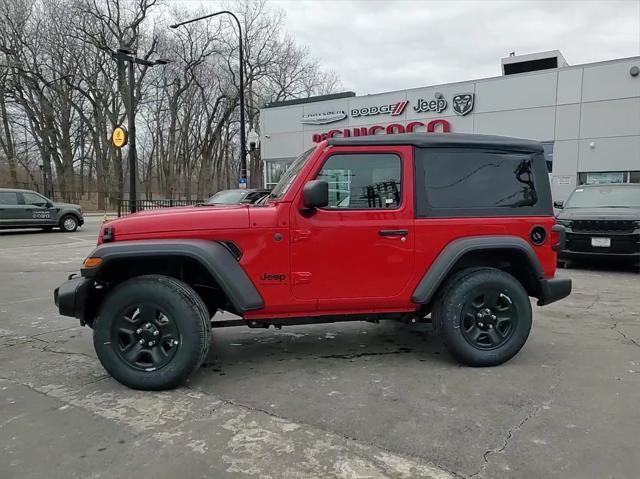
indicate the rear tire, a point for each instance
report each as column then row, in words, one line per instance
column 152, row 332
column 483, row 316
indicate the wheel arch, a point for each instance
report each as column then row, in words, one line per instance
column 508, row 253
column 64, row 213
column 208, row 266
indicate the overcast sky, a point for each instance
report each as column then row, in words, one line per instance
column 381, row 45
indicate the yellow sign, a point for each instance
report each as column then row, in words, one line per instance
column 119, row 137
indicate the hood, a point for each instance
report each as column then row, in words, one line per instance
column 183, row 219
column 599, row 214
column 65, row 205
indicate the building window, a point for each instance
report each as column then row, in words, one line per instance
column 608, row 177
column 363, row 181
column 274, row 170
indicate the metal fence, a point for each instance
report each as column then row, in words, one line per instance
column 124, row 206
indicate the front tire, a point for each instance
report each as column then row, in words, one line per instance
column 152, row 332
column 69, row 223
column 483, row 316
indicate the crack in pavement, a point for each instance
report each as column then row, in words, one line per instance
column 614, row 327
column 597, row 298
column 513, row 429
column 359, row 355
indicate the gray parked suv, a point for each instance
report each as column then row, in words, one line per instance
column 28, row 209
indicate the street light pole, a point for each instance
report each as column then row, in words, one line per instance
column 243, row 145
column 121, row 56
column 131, row 127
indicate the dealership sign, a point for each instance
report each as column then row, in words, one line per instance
column 323, row 118
column 438, row 104
column 433, row 126
column 463, row 103
column 394, row 109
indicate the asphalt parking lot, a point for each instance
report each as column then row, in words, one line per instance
column 342, row 400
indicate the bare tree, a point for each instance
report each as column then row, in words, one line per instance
column 61, row 91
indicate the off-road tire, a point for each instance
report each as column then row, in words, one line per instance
column 69, row 223
column 457, row 292
column 182, row 305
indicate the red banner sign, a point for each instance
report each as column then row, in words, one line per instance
column 434, row 126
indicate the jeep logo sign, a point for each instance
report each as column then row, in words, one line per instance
column 438, row 105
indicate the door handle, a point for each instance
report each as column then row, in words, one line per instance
column 393, row 232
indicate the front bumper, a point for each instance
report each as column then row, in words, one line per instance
column 71, row 298
column 552, row 290
column 623, row 244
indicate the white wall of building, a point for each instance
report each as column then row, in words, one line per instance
column 591, row 112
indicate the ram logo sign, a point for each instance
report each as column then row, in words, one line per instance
column 462, row 103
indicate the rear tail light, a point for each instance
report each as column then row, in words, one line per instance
column 557, row 237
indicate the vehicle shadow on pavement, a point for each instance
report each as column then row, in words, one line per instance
column 243, row 350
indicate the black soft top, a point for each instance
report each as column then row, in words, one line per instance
column 442, row 140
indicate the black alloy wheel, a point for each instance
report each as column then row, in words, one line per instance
column 152, row 332
column 488, row 319
column 483, row 316
column 145, row 337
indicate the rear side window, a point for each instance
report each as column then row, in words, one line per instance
column 476, row 182
column 8, row 198
column 363, row 181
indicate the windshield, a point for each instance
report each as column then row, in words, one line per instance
column 227, row 197
column 605, row 197
column 288, row 176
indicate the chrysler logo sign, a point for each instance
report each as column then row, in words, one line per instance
column 394, row 109
column 323, row 118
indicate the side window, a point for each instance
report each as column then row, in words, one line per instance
column 459, row 180
column 8, row 198
column 33, row 199
column 363, row 181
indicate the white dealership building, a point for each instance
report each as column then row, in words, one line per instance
column 587, row 116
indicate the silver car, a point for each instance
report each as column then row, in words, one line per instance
column 28, row 209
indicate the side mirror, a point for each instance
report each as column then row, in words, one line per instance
column 48, row 204
column 315, row 194
column 558, row 204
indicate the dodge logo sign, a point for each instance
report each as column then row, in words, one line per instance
column 395, row 109
column 463, row 103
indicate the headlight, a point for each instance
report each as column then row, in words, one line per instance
column 566, row 223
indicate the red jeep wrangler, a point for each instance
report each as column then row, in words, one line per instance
column 458, row 227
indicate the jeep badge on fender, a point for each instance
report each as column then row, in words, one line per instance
column 374, row 234
column 272, row 277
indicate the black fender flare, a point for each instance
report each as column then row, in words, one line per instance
column 454, row 251
column 216, row 258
